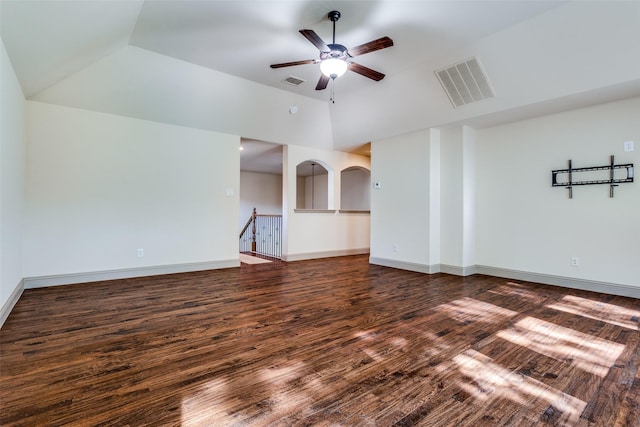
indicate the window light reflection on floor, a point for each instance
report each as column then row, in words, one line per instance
column 209, row 405
column 609, row 313
column 199, row 408
column 472, row 310
column 490, row 382
column 519, row 291
column 589, row 353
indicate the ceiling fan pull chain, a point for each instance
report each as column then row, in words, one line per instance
column 333, row 99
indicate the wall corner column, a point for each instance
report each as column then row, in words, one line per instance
column 458, row 200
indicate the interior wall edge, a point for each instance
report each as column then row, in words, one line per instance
column 5, row 311
column 126, row 273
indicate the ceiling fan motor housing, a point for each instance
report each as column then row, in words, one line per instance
column 337, row 51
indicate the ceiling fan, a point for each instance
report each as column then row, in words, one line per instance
column 335, row 59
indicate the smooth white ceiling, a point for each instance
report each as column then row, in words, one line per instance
column 541, row 57
column 243, row 37
column 260, row 156
column 50, row 40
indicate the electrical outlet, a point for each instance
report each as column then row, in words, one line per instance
column 140, row 253
column 575, row 261
column 395, row 247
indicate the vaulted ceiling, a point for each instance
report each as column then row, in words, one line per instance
column 155, row 60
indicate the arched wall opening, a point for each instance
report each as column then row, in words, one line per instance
column 314, row 182
column 355, row 189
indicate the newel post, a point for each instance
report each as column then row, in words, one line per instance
column 253, row 230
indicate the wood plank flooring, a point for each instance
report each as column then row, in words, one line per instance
column 332, row 342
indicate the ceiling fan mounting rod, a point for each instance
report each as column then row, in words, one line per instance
column 333, row 16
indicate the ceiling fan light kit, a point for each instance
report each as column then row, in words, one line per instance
column 336, row 59
column 333, row 67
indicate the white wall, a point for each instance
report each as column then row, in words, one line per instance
column 12, row 168
column 403, row 209
column 524, row 224
column 99, row 187
column 318, row 234
column 355, row 189
column 138, row 83
column 451, row 203
column 458, row 198
column 262, row 191
column 488, row 194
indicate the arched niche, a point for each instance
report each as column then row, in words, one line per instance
column 355, row 189
column 313, row 185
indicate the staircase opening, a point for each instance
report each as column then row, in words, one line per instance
column 262, row 236
column 261, row 193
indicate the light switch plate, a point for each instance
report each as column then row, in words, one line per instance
column 628, row 146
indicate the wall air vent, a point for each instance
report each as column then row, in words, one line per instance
column 465, row 82
column 293, row 81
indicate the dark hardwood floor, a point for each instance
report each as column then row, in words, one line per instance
column 334, row 342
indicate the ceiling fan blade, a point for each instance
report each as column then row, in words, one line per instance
column 322, row 83
column 290, row 64
column 372, row 46
column 367, row 72
column 315, row 39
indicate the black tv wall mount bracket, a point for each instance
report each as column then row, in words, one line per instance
column 565, row 177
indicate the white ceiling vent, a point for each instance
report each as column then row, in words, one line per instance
column 465, row 82
column 293, row 81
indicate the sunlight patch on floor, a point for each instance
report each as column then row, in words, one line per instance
column 609, row 313
column 471, row 310
column 280, row 375
column 199, row 408
column 209, row 405
column 489, row 381
column 518, row 290
column 589, row 353
column 369, row 336
column 284, row 400
column 399, row 341
column 366, row 335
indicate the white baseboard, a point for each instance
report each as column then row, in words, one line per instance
column 458, row 271
column 567, row 282
column 11, row 302
column 402, row 265
column 546, row 279
column 326, row 254
column 96, row 276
